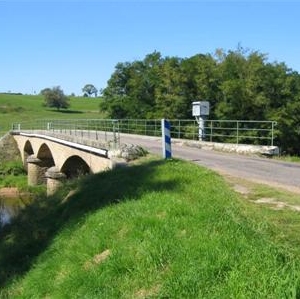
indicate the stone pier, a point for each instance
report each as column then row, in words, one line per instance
column 55, row 180
column 36, row 171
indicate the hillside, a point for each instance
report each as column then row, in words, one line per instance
column 156, row 229
column 20, row 108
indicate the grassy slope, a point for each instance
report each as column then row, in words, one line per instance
column 20, row 108
column 160, row 229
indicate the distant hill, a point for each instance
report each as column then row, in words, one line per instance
column 16, row 108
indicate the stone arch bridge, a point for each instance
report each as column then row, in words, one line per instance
column 52, row 160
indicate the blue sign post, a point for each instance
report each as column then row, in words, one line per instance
column 166, row 138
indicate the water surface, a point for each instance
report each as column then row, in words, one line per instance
column 9, row 208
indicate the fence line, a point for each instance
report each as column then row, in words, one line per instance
column 229, row 131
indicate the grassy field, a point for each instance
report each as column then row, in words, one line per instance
column 156, row 229
column 21, row 108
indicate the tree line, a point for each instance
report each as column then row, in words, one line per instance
column 239, row 84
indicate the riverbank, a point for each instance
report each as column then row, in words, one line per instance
column 9, row 192
column 11, row 201
column 14, row 191
column 155, row 229
column 9, row 154
column 5, row 212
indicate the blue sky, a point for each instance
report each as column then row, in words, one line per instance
column 72, row 43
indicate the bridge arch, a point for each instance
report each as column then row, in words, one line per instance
column 27, row 151
column 51, row 160
column 45, row 155
column 75, row 166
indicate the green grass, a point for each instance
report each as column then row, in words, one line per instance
column 12, row 174
column 22, row 108
column 285, row 223
column 157, row 229
column 289, row 158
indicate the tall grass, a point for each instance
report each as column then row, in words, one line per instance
column 159, row 229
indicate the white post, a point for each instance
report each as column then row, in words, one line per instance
column 201, row 128
column 166, row 138
column 201, row 111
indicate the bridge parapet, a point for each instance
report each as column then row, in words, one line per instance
column 254, row 132
column 95, row 139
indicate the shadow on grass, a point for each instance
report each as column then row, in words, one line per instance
column 66, row 111
column 37, row 225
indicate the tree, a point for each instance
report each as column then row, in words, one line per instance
column 89, row 90
column 129, row 92
column 45, row 91
column 55, row 97
column 239, row 84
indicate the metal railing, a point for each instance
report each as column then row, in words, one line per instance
column 241, row 131
column 229, row 131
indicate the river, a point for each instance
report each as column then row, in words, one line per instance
column 9, row 208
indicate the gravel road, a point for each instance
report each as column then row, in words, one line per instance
column 263, row 170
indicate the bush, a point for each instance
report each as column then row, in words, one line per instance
column 14, row 168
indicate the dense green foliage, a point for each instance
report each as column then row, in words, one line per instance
column 12, row 174
column 160, row 229
column 55, row 97
column 240, row 85
column 12, row 168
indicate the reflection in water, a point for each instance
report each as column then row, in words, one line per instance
column 8, row 209
column 5, row 218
